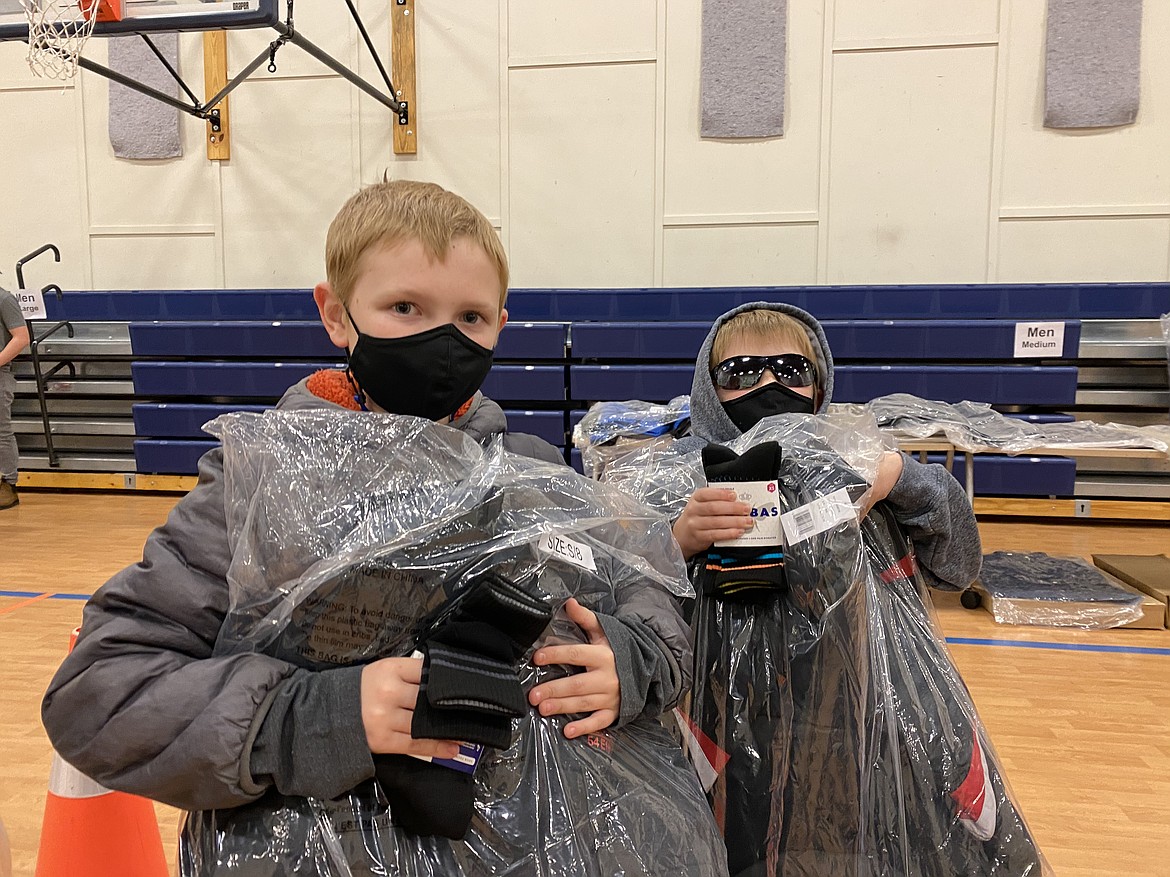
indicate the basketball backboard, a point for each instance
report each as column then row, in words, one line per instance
column 61, row 29
column 153, row 16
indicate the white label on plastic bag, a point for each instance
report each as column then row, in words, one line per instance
column 705, row 756
column 818, row 516
column 1039, row 339
column 763, row 497
column 568, row 550
column 32, row 303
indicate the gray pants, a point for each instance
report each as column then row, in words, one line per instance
column 8, row 452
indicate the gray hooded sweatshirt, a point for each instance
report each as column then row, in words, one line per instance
column 926, row 499
column 142, row 704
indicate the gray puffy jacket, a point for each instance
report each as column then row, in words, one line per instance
column 141, row 704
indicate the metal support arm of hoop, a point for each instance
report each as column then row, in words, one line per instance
column 286, row 34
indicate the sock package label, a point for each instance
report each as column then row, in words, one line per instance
column 763, row 497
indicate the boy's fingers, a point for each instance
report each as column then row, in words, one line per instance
column 399, row 721
column 560, row 706
column 432, row 748
column 576, row 655
column 590, row 724
column 585, row 619
column 410, row 670
column 707, row 509
column 712, row 494
column 578, row 685
column 709, row 525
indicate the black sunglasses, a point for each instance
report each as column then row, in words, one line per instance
column 744, row 372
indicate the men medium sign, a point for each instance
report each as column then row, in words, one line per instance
column 1039, row 339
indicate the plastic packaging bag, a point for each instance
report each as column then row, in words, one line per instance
column 610, row 430
column 1166, row 335
column 353, row 533
column 664, row 474
column 1036, row 588
column 828, row 722
column 936, row 800
column 976, row 427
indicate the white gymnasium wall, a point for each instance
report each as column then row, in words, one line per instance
column 914, row 152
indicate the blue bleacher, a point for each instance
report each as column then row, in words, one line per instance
column 997, row 385
column 170, row 457
column 183, row 304
column 241, row 379
column 548, row 425
column 199, row 353
column 180, row 419
column 963, row 301
column 990, row 301
column 249, row 339
column 186, row 419
column 997, row 475
column 246, row 339
column 270, row 379
column 848, row 339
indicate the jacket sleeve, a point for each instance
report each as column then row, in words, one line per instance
column 142, row 705
column 652, row 650
column 931, row 505
column 532, row 446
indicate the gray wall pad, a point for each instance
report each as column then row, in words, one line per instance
column 140, row 126
column 1092, row 77
column 742, row 73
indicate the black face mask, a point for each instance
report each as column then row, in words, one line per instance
column 774, row 398
column 425, row 375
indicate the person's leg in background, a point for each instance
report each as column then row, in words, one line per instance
column 8, row 452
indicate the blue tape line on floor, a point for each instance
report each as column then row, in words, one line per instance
column 954, row 640
column 1064, row 647
column 27, row 594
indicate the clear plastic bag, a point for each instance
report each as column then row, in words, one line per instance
column 610, row 430
column 664, row 474
column 1166, row 335
column 976, row 427
column 828, row 723
column 1037, row 588
column 351, row 534
column 936, row 800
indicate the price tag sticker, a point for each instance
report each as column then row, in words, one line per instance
column 818, row 516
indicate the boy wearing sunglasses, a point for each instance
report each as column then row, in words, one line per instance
column 767, row 358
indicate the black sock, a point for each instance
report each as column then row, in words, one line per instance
column 748, row 572
column 426, row 799
column 469, row 689
column 519, row 613
column 471, row 667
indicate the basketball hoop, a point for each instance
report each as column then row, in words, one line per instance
column 57, row 32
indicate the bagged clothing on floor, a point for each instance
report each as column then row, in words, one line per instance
column 359, row 536
column 828, row 722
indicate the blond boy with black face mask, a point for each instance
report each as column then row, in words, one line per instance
column 415, row 294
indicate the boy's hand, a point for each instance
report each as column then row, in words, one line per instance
column 389, row 693
column 888, row 473
column 712, row 515
column 595, row 691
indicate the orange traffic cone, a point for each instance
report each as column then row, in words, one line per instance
column 89, row 831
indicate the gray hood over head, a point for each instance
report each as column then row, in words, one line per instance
column 708, row 419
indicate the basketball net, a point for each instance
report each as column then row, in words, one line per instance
column 57, row 31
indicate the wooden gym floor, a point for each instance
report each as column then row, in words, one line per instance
column 1083, row 732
